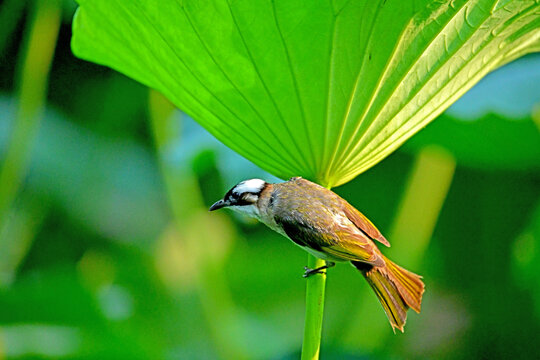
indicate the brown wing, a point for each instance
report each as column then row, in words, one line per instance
column 336, row 242
column 363, row 223
column 354, row 248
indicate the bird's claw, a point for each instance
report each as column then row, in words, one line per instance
column 320, row 270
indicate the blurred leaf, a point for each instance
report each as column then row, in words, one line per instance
column 108, row 186
column 526, row 259
column 484, row 213
column 17, row 234
column 113, row 106
column 10, row 13
column 53, row 295
column 45, row 340
column 319, row 89
column 46, row 298
column 490, row 142
column 411, row 233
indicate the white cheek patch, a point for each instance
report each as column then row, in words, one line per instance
column 249, row 186
column 250, row 197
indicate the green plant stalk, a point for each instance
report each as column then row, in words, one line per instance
column 315, row 290
column 34, row 69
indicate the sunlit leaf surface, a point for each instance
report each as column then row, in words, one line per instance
column 313, row 88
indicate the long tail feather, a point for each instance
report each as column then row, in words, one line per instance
column 396, row 288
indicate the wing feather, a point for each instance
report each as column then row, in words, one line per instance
column 333, row 241
column 363, row 223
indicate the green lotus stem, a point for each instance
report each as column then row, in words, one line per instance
column 34, row 69
column 314, row 310
column 315, row 287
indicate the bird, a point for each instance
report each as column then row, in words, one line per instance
column 327, row 226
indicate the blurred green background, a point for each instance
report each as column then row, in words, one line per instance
column 107, row 250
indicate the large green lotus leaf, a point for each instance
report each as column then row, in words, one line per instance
column 322, row 89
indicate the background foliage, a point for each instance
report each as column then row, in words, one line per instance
column 96, row 263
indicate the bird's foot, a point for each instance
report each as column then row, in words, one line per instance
column 308, row 272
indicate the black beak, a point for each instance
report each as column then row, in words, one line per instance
column 218, row 205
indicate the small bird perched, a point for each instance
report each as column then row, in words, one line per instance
column 327, row 226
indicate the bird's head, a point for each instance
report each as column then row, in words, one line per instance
column 243, row 197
